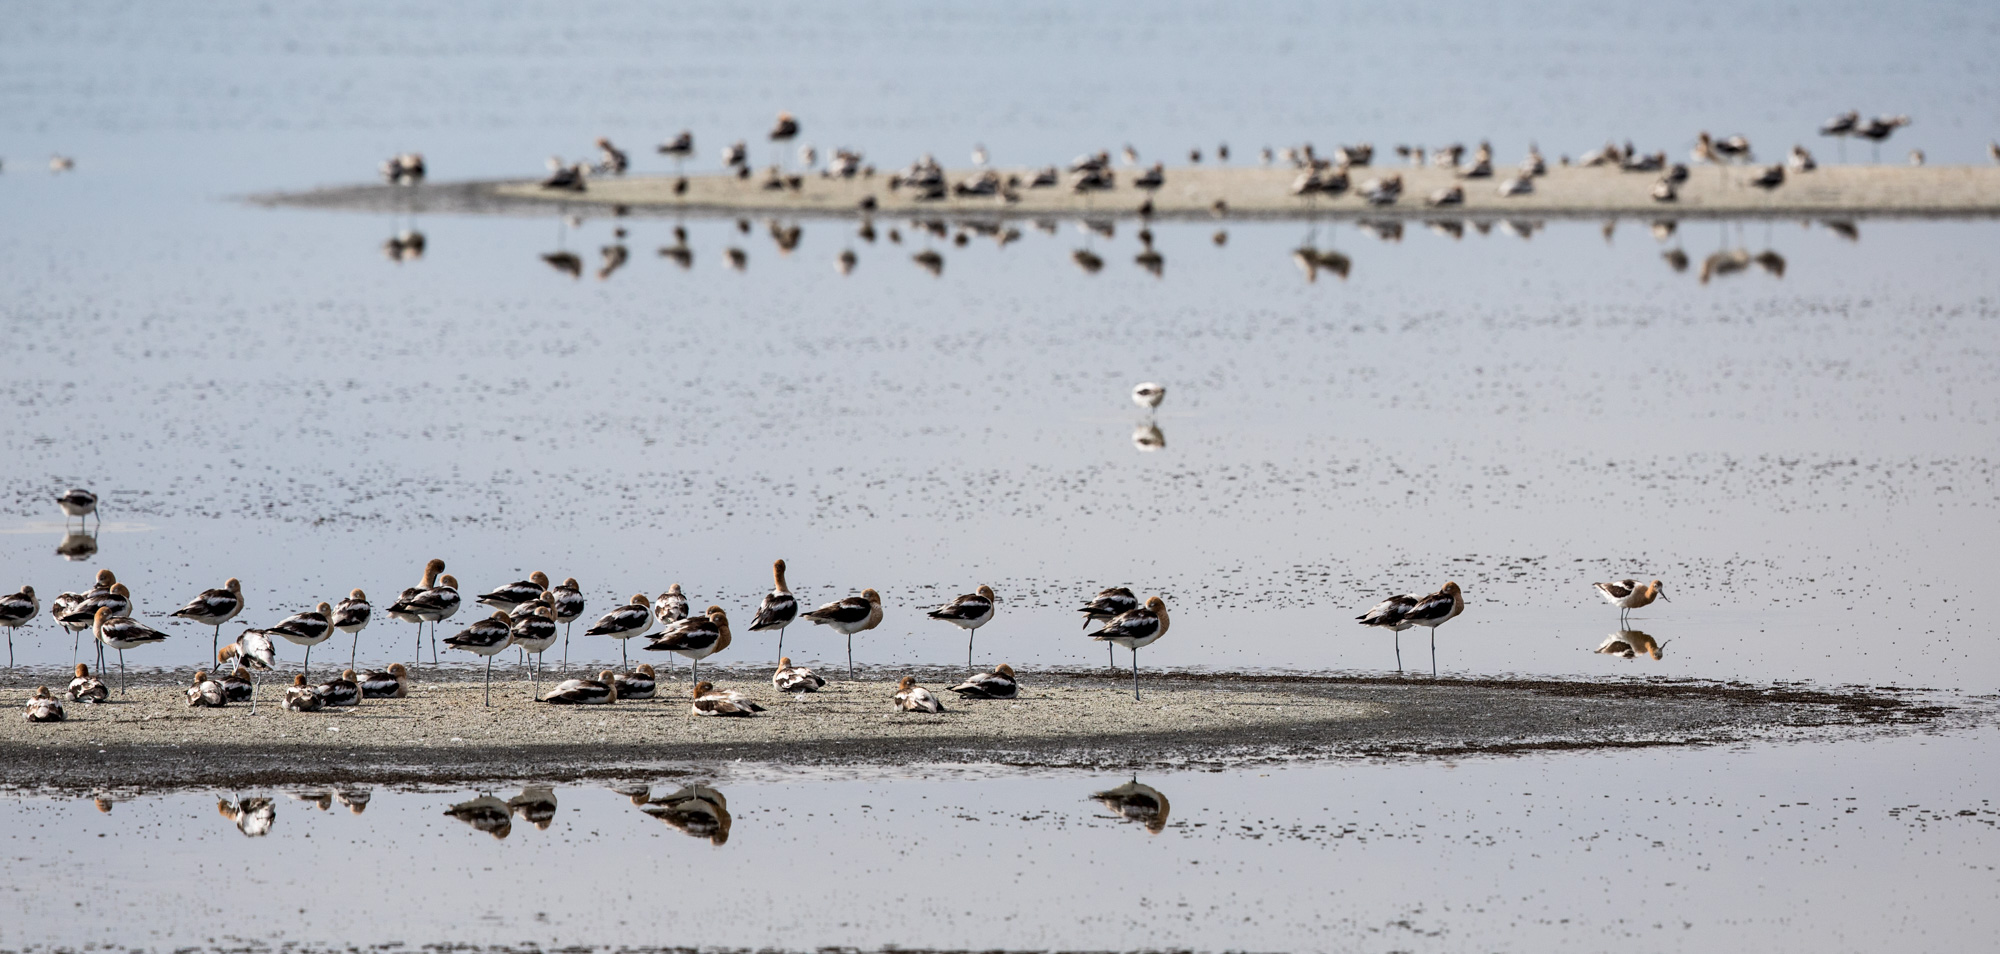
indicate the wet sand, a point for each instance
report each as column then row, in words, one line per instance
column 1245, row 192
column 442, row 733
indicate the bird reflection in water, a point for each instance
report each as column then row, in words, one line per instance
column 786, row 236
column 1453, row 229
column 613, row 258
column 1089, row 261
column 930, row 261
column 1312, row 261
column 1846, row 230
column 638, row 792
column 536, row 805
column 1139, row 802
column 1388, row 230
column 738, row 259
column 845, row 261
column 319, row 800
column 1149, row 258
column 486, row 813
column 405, row 246
column 355, row 799
column 1148, row 438
column 251, row 816
column 1629, row 643
column 681, row 254
column 565, row 262
column 696, row 810
column 77, row 545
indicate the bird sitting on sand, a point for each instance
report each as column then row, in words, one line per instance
column 795, row 679
column 1384, row 190
column 708, row 701
column 1801, row 160
column 43, row 706
column 393, row 683
column 237, row 686
column 205, row 692
column 640, row 683
column 911, row 697
column 585, row 692
column 998, row 684
column 300, row 697
column 1771, row 178
column 568, row 177
column 344, row 690
column 87, row 688
column 1450, row 195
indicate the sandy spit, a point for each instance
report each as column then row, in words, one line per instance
column 443, row 733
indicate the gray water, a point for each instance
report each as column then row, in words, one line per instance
column 1804, row 450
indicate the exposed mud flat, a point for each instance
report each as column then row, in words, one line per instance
column 443, row 733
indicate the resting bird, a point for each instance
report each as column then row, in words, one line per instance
column 709, row 702
column 87, row 688
column 206, row 693
column 998, row 684
column 793, row 679
column 584, row 692
column 911, row 697
column 43, row 706
column 855, row 614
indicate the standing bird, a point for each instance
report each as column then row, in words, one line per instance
column 437, row 604
column 78, row 502
column 1391, row 614
column 855, row 614
column 15, row 611
column 254, row 649
column 998, row 684
column 307, row 629
column 1105, row 606
column 518, row 592
column 1149, row 395
column 206, row 693
column 1629, row 595
column 632, row 619
column 1434, row 611
column 640, row 683
column 672, row 606
column 214, row 608
column 43, row 706
column 392, row 684
column 86, row 687
column 1135, row 629
column 786, row 128
column 968, row 612
column 487, row 638
column 697, row 637
column 584, row 692
column 793, row 679
column 778, row 609
column 911, row 697
column 351, row 616
column 406, row 607
column 534, row 633
column 708, row 701
column 569, row 605
column 118, row 599
column 122, row 633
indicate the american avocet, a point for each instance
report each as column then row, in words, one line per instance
column 122, row 633
column 1390, row 615
column 110, row 595
column 968, row 612
column 1800, row 160
column 640, row 683
column 406, row 608
column 215, row 607
column 236, row 686
column 534, row 633
column 1136, row 629
column 536, row 805
column 355, row 799
column 43, row 706
column 394, row 683
column 300, row 697
column 254, row 649
column 911, row 697
column 1149, row 394
column 1629, row 595
column 78, row 502
column 632, row 619
column 251, row 816
column 1841, row 125
column 1139, row 802
column 77, row 545
column 1770, row 177
column 87, row 688
column 15, row 611
column 695, row 810
column 487, row 638
column 998, row 684
column 795, row 679
column 1629, row 643
column 485, row 813
column 351, row 616
column 342, row 691
column 697, row 637
column 307, row 629
column 778, row 609
column 708, row 701
column 680, row 147
column 437, row 604
column 672, row 606
column 1107, row 605
column 785, row 128
column 854, row 614
column 611, row 159
column 518, row 592
column 569, row 605
column 205, row 693
column 1433, row 611
column 584, row 692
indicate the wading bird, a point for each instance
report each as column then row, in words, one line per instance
column 854, row 614
column 1434, row 611
column 351, row 616
column 214, row 608
column 1629, row 595
column 1135, row 629
column 778, row 609
column 15, row 611
column 1392, row 614
column 697, row 637
column 632, row 619
column 486, row 637
column 968, row 612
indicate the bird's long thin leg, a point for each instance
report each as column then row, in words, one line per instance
column 850, row 656
column 565, row 663
column 309, row 663
column 1434, row 652
column 968, row 646
column 489, row 679
column 434, row 642
column 122, row 681
column 1110, row 658
column 623, row 661
column 215, row 642
column 1135, row 673
column 420, row 641
column 75, row 645
column 354, row 649
column 781, row 641
column 1399, row 650
column 253, row 690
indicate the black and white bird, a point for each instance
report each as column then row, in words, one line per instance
column 237, row 686
column 911, row 697
column 696, row 810
column 584, row 692
column 998, row 684
column 1136, row 629
column 785, row 128
column 351, row 616
column 393, row 683
column 640, row 683
column 534, row 632
column 43, row 706
column 485, row 813
column 708, row 701
column 1390, row 615
column 307, row 629
column 16, row 610
column 251, row 816
column 437, row 604
column 78, row 502
column 569, row 604
column 632, row 619
column 968, row 612
column 206, row 693
column 536, row 805
column 795, row 679
column 1629, row 595
column 214, row 608
column 1106, row 605
column 1841, row 125
column 672, row 606
column 402, row 610
column 86, row 688
column 1139, row 802
column 122, row 633
column 82, row 612
column 518, row 592
column 300, row 697
column 680, row 147
column 1149, row 394
column 697, row 637
column 854, row 614
column 342, row 691
column 1434, row 611
column 254, row 650
column 410, row 609
column 487, row 638
column 778, row 609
